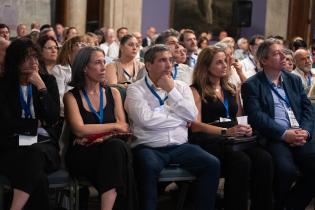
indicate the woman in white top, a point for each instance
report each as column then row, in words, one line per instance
column 62, row 71
column 49, row 50
column 126, row 68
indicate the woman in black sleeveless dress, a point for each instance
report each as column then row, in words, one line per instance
column 246, row 172
column 91, row 110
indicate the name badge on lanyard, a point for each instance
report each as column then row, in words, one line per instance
column 25, row 140
column 293, row 122
column 161, row 101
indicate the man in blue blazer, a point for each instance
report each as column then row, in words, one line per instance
column 278, row 108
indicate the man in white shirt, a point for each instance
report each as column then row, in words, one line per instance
column 250, row 64
column 113, row 49
column 160, row 111
column 303, row 62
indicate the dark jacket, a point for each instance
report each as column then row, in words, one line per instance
column 259, row 104
column 46, row 108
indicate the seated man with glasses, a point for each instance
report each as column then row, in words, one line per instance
column 278, row 108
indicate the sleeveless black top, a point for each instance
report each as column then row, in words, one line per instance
column 89, row 117
column 212, row 110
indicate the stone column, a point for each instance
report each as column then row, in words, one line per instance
column 76, row 14
column 277, row 13
column 118, row 13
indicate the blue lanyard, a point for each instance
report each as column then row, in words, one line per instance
column 226, row 105
column 99, row 114
column 254, row 62
column 26, row 105
column 192, row 61
column 154, row 93
column 309, row 80
column 175, row 71
column 285, row 99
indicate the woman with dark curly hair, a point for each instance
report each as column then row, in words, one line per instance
column 29, row 109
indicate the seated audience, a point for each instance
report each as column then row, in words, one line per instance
column 4, row 44
column 59, row 31
column 4, row 31
column 21, row 30
column 188, row 39
column 29, row 109
column 247, row 173
column 236, row 74
column 298, row 43
column 113, row 49
column 222, row 35
column 181, row 71
column 110, row 38
column 278, row 108
column 202, row 43
column 92, row 38
column 92, row 109
column 47, row 30
column 149, row 39
column 71, row 32
column 125, row 69
column 65, row 59
column 62, row 69
column 242, row 49
column 49, row 50
column 289, row 64
column 250, row 64
column 160, row 110
column 303, row 62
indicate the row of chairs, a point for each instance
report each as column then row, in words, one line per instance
column 60, row 181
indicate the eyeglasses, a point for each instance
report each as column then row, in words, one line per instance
column 82, row 44
column 51, row 48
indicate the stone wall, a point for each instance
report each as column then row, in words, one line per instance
column 14, row 12
column 277, row 17
column 118, row 13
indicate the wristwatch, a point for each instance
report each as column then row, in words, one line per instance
column 223, row 131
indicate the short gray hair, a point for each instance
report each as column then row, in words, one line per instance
column 264, row 47
column 161, row 39
column 223, row 45
column 80, row 62
column 151, row 52
column 287, row 51
column 240, row 40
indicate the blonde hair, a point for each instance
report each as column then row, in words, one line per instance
column 66, row 50
column 201, row 75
